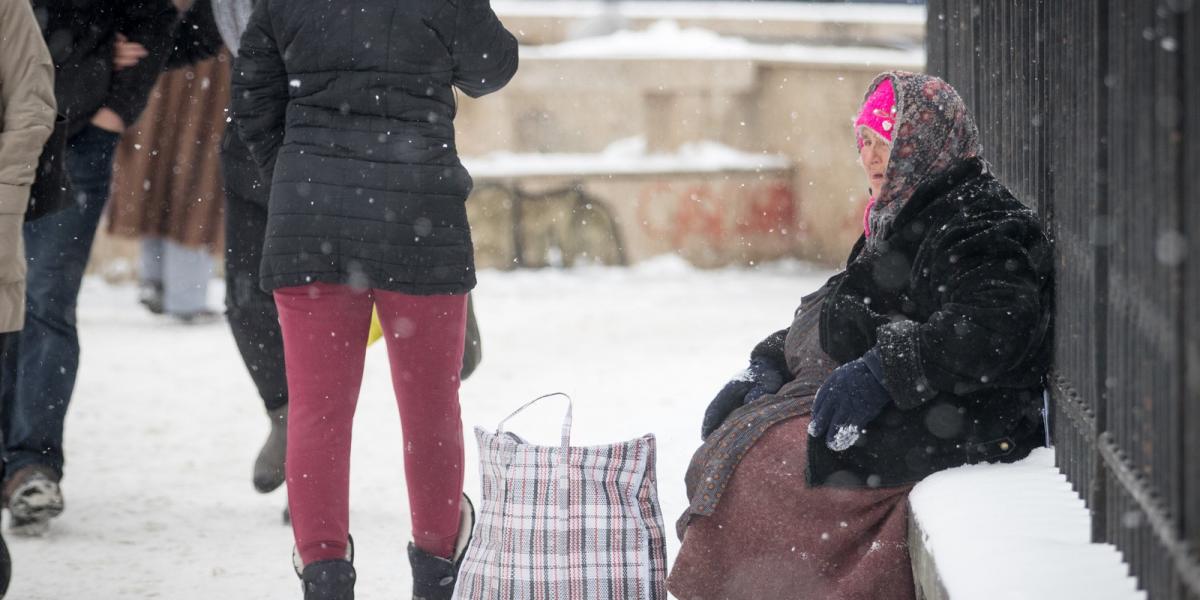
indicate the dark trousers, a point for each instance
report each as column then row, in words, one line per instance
column 8, row 344
column 251, row 311
column 39, row 374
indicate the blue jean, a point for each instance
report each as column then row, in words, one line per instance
column 39, row 376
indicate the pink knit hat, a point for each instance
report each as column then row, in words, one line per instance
column 878, row 112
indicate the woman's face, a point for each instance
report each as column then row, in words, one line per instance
column 874, row 156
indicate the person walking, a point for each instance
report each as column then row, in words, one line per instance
column 166, row 189
column 367, row 209
column 98, row 101
column 250, row 310
column 27, row 111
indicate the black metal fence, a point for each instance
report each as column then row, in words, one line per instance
column 1090, row 111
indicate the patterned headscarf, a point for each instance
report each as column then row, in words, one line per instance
column 933, row 132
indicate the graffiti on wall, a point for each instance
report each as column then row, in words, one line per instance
column 717, row 214
column 709, row 223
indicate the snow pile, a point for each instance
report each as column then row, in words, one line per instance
column 626, row 156
column 1016, row 531
column 746, row 11
column 665, row 40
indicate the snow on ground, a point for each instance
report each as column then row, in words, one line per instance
column 165, row 423
column 667, row 40
column 1017, row 527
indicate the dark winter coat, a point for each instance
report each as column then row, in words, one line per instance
column 957, row 296
column 81, row 34
column 349, row 105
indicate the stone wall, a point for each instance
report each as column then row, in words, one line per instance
column 799, row 110
column 710, row 219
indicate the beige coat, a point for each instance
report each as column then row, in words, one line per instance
column 27, row 112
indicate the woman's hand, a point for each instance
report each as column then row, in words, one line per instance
column 851, row 397
column 108, row 120
column 127, row 54
column 759, row 379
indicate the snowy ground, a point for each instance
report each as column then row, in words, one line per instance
column 165, row 423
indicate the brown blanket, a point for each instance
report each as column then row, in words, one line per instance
column 755, row 530
column 773, row 538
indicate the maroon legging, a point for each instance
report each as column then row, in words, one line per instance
column 325, row 331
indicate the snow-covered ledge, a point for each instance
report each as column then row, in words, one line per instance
column 1010, row 531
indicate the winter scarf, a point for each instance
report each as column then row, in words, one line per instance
column 232, row 16
column 933, row 131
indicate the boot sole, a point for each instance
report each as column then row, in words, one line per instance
column 28, row 529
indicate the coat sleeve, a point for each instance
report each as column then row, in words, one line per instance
column 848, row 320
column 484, row 52
column 992, row 314
column 197, row 37
column 771, row 349
column 150, row 23
column 260, row 90
column 26, row 102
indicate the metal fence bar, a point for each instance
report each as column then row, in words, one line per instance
column 1190, row 180
column 1087, row 111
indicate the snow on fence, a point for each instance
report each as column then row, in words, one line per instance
column 1017, row 530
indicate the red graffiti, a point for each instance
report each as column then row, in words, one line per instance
column 716, row 214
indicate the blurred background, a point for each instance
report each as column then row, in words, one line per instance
column 717, row 131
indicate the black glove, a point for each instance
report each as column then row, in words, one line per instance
column 762, row 377
column 851, row 397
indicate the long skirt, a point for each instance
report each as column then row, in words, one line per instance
column 772, row 537
column 167, row 174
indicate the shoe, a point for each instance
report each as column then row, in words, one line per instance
column 5, row 567
column 33, row 497
column 268, row 467
column 298, row 563
column 203, row 316
column 323, row 579
column 150, row 295
column 433, row 576
column 329, row 580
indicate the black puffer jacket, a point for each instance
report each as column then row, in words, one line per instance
column 958, row 299
column 349, row 106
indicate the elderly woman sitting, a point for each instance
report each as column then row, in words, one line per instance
column 927, row 352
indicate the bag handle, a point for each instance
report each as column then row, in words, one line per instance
column 566, row 424
column 563, row 476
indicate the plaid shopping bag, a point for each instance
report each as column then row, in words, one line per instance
column 566, row 522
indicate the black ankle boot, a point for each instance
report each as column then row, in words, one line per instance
column 329, row 580
column 433, row 576
column 5, row 567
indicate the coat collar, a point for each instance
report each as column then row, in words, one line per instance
column 926, row 194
